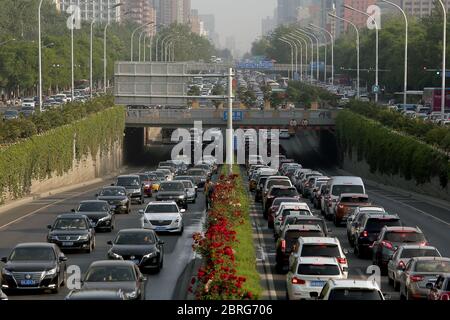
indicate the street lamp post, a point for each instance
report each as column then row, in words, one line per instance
column 317, row 51
column 323, row 34
column 132, row 38
column 302, row 42
column 72, row 58
column 140, row 37
column 40, row 55
column 145, row 37
column 294, row 43
column 104, row 58
column 444, row 70
column 405, row 75
column 230, row 121
column 292, row 55
column 376, row 44
column 357, row 49
column 298, row 32
column 297, row 41
column 332, row 49
column 91, row 81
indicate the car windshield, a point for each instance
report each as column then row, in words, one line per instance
column 319, row 269
column 70, row 224
column 93, row 207
column 128, row 181
column 340, row 189
column 277, row 182
column 298, row 212
column 411, row 253
column 199, row 172
column 374, row 225
column 112, row 192
column 354, row 294
column 171, row 186
column 110, row 274
column 320, row 250
column 283, row 192
column 161, row 208
column 32, row 253
column 404, row 237
column 278, row 201
column 137, row 238
column 188, row 184
column 432, row 266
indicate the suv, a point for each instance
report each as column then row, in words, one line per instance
column 133, row 185
column 320, row 247
column 289, row 209
column 368, row 228
column 301, row 185
column 72, row 231
column 390, row 239
column 288, row 238
column 278, row 191
column 173, row 191
column 346, row 204
column 351, row 290
column 274, row 208
column 307, row 276
column 355, row 218
column 275, row 181
column 163, row 216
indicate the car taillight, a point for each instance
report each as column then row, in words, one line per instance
column 341, row 260
column 387, row 245
column 283, row 245
column 341, row 206
column 444, row 296
column 297, row 281
column 401, row 264
column 364, row 234
column 415, row 278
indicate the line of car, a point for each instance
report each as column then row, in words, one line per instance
column 316, row 264
column 133, row 253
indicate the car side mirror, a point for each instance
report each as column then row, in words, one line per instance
column 73, row 210
column 141, row 211
column 4, row 259
column 345, row 251
column 182, row 210
column 429, row 285
column 62, row 258
column 49, row 226
column 160, row 242
column 142, row 278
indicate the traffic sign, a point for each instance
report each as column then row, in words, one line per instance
column 237, row 115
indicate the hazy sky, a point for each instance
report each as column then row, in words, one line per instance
column 238, row 18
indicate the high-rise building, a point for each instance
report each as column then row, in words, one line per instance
column 287, row 11
column 140, row 12
column 268, row 24
column 172, row 11
column 101, row 10
column 420, row 8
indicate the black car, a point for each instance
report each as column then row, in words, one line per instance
column 34, row 266
column 199, row 175
column 367, row 229
column 3, row 296
column 116, row 197
column 133, row 185
column 173, row 191
column 115, row 275
column 72, row 231
column 96, row 295
column 140, row 246
column 99, row 212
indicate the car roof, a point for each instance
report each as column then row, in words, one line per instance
column 376, row 215
column 360, row 195
column 94, row 201
column 113, row 187
column 35, row 245
column 128, row 176
column 344, row 179
column 303, row 227
column 277, row 177
column 136, row 230
column 71, row 215
column 161, row 202
column 320, row 240
column 416, row 246
column 354, row 283
column 431, row 258
column 371, row 208
column 112, row 263
column 400, row 228
column 291, row 205
column 317, row 260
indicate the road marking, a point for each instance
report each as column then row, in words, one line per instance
column 411, row 207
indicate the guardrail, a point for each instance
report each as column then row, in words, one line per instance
column 217, row 117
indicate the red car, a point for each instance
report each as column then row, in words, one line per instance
column 146, row 180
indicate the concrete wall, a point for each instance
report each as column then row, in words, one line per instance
column 362, row 169
column 84, row 170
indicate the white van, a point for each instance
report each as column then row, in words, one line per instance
column 337, row 186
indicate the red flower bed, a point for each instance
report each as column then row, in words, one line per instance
column 217, row 279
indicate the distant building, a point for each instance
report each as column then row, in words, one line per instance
column 172, row 11
column 358, row 19
column 101, row 10
column 140, row 12
column 268, row 24
column 420, row 8
column 287, row 11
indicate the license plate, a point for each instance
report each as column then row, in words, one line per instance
column 67, row 244
column 160, row 228
column 317, row 283
column 27, row 282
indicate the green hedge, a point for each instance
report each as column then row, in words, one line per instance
column 426, row 131
column 389, row 152
column 43, row 155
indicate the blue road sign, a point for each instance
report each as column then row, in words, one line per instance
column 237, row 115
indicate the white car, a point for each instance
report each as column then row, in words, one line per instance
column 163, row 216
column 351, row 290
column 308, row 275
column 28, row 102
column 404, row 253
column 320, row 247
column 291, row 209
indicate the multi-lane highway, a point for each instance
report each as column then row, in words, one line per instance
column 432, row 217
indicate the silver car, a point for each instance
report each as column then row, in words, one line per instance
column 420, row 271
column 191, row 190
column 401, row 257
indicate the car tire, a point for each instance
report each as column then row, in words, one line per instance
column 56, row 289
column 181, row 231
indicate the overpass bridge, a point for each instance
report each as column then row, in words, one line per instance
column 222, row 67
column 242, row 118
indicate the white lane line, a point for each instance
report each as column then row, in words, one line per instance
column 45, row 207
column 413, row 208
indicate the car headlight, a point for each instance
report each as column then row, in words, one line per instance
column 115, row 255
column 136, row 190
column 6, row 272
column 131, row 295
column 52, row 238
column 103, row 219
column 50, row 272
column 181, row 197
column 150, row 255
column 85, row 237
